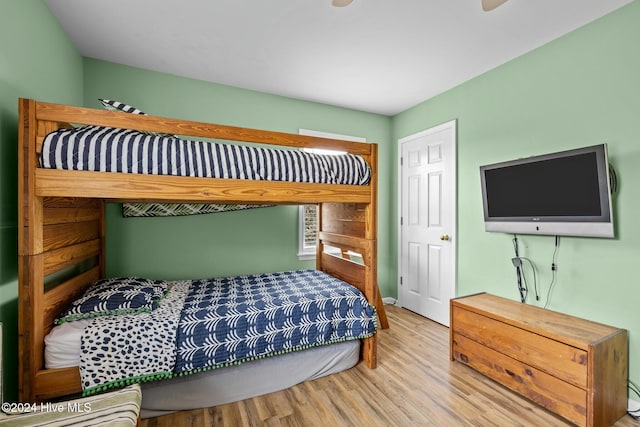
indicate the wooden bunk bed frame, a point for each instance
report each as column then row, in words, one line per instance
column 62, row 222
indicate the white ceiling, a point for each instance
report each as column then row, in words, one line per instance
column 380, row 56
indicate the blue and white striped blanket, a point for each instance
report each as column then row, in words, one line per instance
column 223, row 322
column 103, row 149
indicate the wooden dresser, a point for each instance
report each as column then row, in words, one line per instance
column 573, row 367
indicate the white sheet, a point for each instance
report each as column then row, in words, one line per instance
column 62, row 344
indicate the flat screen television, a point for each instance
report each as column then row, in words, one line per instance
column 566, row 193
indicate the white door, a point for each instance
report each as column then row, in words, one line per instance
column 427, row 233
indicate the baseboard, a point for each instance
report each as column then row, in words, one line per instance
column 633, row 406
column 389, row 300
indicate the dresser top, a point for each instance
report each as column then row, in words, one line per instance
column 581, row 332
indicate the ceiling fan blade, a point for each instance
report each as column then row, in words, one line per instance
column 488, row 5
column 341, row 3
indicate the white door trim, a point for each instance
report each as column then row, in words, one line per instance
column 450, row 124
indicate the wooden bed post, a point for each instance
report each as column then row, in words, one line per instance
column 371, row 233
column 30, row 258
column 354, row 226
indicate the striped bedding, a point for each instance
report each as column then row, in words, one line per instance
column 97, row 148
column 120, row 408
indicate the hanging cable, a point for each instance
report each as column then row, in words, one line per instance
column 517, row 262
column 554, row 268
column 535, row 279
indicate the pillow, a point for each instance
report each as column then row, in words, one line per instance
column 116, row 296
column 112, row 105
column 119, row 106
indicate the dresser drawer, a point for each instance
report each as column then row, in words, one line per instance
column 548, row 391
column 555, row 358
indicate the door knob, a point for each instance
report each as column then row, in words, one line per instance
column 444, row 237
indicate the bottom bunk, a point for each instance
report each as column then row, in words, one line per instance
column 264, row 332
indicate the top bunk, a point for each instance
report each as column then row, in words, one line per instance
column 50, row 171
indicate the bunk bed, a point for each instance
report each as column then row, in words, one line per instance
column 62, row 221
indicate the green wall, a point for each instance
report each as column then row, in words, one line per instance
column 582, row 89
column 36, row 61
column 257, row 240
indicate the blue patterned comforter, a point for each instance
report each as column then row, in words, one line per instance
column 222, row 322
column 231, row 320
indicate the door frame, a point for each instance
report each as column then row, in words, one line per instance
column 454, row 246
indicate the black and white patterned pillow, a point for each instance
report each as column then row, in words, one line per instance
column 116, row 296
column 112, row 105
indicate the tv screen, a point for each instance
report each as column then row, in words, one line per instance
column 564, row 193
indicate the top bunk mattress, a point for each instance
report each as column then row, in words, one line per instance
column 105, row 149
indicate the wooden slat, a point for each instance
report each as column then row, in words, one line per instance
column 79, row 115
column 339, row 240
column 72, row 202
column 106, row 185
column 344, row 218
column 349, row 271
column 70, row 215
column 345, row 211
column 58, row 298
column 57, row 236
column 345, row 227
column 59, row 259
column 56, row 382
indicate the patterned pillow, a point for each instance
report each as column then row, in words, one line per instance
column 116, row 296
column 119, row 106
column 112, row 105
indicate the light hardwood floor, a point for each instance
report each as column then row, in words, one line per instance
column 415, row 384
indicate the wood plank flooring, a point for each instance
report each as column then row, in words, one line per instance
column 415, row 384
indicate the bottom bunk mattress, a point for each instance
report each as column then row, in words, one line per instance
column 218, row 386
column 251, row 379
column 188, row 327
